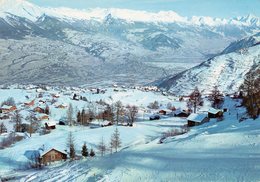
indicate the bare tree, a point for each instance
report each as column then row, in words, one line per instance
column 154, row 105
column 102, row 147
column 70, row 115
column 119, row 111
column 131, row 112
column 251, row 90
column 216, row 97
column 33, row 126
column 17, row 119
column 195, row 99
column 116, row 141
column 71, row 146
column 111, row 145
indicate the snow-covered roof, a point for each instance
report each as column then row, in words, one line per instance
column 6, row 107
column 197, row 117
column 51, row 123
column 179, row 110
column 214, row 111
column 45, row 151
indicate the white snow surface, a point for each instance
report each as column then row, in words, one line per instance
column 225, row 71
column 215, row 151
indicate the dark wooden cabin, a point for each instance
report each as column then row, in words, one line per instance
column 52, row 155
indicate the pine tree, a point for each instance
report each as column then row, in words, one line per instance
column 2, row 128
column 47, row 110
column 92, row 153
column 84, row 151
column 79, row 117
column 116, row 139
column 71, row 146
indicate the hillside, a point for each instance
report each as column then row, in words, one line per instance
column 227, row 71
column 215, row 151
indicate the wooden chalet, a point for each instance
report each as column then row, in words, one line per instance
column 215, row 113
column 7, row 109
column 52, row 155
column 42, row 116
column 4, row 116
column 162, row 112
column 197, row 119
column 181, row 113
column 29, row 104
column 39, row 109
column 50, row 125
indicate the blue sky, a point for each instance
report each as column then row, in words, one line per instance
column 214, row 8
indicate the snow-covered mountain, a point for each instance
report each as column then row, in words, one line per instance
column 111, row 38
column 226, row 71
column 30, row 11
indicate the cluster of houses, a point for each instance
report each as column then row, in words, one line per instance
column 193, row 119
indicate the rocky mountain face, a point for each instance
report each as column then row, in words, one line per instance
column 66, row 46
column 227, row 71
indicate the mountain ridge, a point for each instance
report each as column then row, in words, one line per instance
column 33, row 12
column 227, row 70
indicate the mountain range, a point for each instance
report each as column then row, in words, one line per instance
column 101, row 46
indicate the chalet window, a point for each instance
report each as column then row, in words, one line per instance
column 53, row 157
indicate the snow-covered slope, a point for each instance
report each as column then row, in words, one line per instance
column 226, row 71
column 20, row 8
column 244, row 43
column 120, row 42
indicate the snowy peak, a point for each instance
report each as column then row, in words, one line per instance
column 32, row 12
column 20, row 8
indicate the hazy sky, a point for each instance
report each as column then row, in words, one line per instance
column 215, row 8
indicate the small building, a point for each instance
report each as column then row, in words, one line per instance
column 7, row 109
column 106, row 123
column 61, row 106
column 181, row 113
column 162, row 112
column 42, row 116
column 4, row 116
column 39, row 109
column 197, row 119
column 50, row 125
column 29, row 104
column 215, row 113
column 52, row 155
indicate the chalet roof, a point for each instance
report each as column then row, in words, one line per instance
column 197, row 117
column 43, row 152
column 214, row 111
column 51, row 123
column 6, row 107
column 179, row 111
